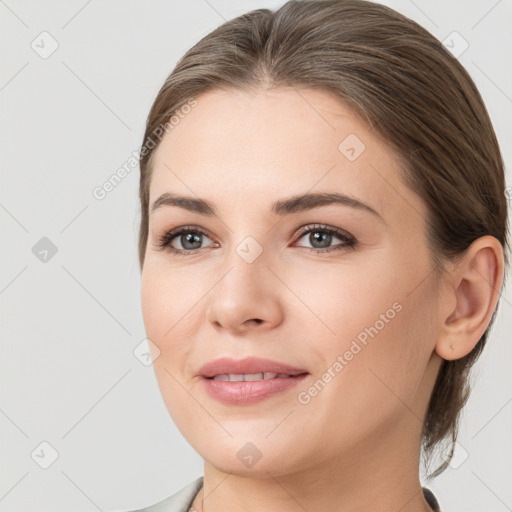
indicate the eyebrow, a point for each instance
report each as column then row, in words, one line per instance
column 282, row 207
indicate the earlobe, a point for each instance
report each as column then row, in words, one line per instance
column 449, row 350
column 475, row 286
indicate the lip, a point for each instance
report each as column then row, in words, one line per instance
column 248, row 392
column 247, row 365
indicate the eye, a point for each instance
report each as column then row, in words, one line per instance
column 189, row 237
column 321, row 237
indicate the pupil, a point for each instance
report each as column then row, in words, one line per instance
column 324, row 238
column 192, row 238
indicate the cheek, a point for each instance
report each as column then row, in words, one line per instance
column 340, row 302
column 369, row 317
column 165, row 314
column 397, row 350
column 153, row 306
column 378, row 364
column 167, row 303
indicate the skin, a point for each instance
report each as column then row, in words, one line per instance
column 355, row 446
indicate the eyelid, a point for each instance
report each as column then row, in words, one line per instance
column 322, row 227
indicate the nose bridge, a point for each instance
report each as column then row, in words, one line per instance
column 245, row 291
column 246, row 269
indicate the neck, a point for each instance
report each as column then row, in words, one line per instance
column 380, row 473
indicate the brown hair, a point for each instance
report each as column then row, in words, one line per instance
column 409, row 89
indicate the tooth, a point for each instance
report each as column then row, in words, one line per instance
column 253, row 376
column 239, row 377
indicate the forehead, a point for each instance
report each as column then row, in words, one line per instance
column 241, row 147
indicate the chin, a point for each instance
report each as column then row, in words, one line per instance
column 245, row 458
column 261, row 468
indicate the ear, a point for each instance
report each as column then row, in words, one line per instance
column 474, row 287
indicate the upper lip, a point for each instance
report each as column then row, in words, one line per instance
column 226, row 365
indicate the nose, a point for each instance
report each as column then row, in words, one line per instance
column 246, row 298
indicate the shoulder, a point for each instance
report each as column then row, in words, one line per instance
column 178, row 502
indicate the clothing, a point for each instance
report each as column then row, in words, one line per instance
column 178, row 502
column 183, row 499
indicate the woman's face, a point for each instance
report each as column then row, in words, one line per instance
column 349, row 301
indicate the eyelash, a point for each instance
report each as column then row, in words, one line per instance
column 164, row 241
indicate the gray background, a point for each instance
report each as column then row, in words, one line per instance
column 68, row 373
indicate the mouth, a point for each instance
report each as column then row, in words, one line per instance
column 249, row 380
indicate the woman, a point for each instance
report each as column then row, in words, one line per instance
column 323, row 246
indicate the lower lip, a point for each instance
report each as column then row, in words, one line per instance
column 249, row 392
